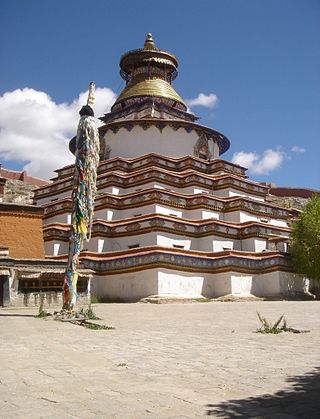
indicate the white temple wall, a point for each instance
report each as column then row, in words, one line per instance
column 128, row 287
column 48, row 199
column 168, row 282
column 253, row 245
column 242, row 217
column 137, row 142
column 220, row 244
column 64, row 218
column 121, row 214
column 280, row 223
column 179, row 284
column 278, row 283
column 170, row 240
column 55, row 248
column 231, row 192
column 189, row 190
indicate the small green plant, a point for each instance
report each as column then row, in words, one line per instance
column 42, row 313
column 88, row 313
column 268, row 327
column 203, row 300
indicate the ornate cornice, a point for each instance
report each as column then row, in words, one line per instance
column 175, row 164
column 182, row 260
column 136, row 106
column 153, row 173
column 176, row 200
column 162, row 223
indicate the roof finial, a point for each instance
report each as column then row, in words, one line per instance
column 90, row 100
column 149, row 43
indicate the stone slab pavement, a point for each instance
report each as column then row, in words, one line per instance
column 162, row 361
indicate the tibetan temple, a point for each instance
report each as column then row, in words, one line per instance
column 172, row 218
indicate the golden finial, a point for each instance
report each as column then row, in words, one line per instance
column 149, row 43
column 91, row 98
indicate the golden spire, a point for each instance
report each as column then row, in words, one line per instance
column 149, row 71
column 149, row 43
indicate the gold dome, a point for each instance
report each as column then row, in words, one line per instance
column 149, row 71
column 153, row 88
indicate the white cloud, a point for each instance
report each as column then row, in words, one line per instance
column 297, row 149
column 35, row 129
column 208, row 101
column 263, row 164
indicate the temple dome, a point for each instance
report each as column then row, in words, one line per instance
column 153, row 87
column 149, row 71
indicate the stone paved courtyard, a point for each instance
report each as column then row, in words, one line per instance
column 162, row 361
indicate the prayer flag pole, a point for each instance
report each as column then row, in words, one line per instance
column 83, row 194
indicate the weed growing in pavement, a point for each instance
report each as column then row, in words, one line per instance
column 88, row 313
column 268, row 327
column 42, row 313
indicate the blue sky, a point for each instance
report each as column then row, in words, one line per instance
column 260, row 58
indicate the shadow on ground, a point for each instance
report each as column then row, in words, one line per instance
column 16, row 315
column 300, row 400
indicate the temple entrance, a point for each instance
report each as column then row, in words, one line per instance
column 4, row 290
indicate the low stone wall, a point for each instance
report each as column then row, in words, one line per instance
column 46, row 299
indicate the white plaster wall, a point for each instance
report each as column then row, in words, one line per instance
column 168, row 282
column 241, row 284
column 160, row 209
column 128, row 287
column 230, row 192
column 259, row 245
column 138, row 142
column 55, row 248
column 253, row 245
column 179, row 284
column 247, row 217
column 205, row 215
column 114, row 215
column 216, row 285
column 233, row 216
column 215, row 149
column 218, row 244
column 121, row 243
column 172, row 241
column 147, row 185
column 204, row 244
column 46, row 200
column 280, row 223
column 64, row 218
column 215, row 244
column 277, row 283
column 200, row 191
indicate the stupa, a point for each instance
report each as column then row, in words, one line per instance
column 171, row 217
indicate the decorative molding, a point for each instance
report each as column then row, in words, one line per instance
column 224, row 262
column 201, row 148
column 172, row 225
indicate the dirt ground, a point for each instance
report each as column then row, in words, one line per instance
column 162, row 361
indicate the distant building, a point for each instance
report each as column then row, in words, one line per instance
column 26, row 277
column 18, row 186
column 171, row 217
